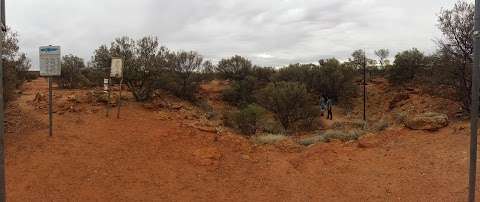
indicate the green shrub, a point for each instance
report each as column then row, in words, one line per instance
column 71, row 76
column 148, row 67
column 330, row 78
column 248, row 120
column 406, row 65
column 144, row 61
column 15, row 65
column 30, row 75
column 234, row 68
column 263, row 75
column 301, row 73
column 94, row 76
column 271, row 125
column 240, row 92
column 186, row 78
column 290, row 102
column 336, row 81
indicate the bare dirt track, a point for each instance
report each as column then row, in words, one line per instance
column 159, row 156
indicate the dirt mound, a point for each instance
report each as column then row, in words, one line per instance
column 388, row 103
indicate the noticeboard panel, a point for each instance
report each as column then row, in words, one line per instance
column 50, row 61
column 116, row 70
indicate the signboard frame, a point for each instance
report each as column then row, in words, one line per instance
column 50, row 66
column 3, row 30
column 116, row 69
column 50, row 61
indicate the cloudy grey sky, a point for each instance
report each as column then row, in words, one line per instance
column 269, row 32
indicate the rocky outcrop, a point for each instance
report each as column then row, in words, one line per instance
column 427, row 121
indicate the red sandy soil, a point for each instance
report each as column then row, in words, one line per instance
column 163, row 156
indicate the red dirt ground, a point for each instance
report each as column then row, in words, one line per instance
column 160, row 156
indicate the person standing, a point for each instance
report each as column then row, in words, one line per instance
column 323, row 105
column 329, row 104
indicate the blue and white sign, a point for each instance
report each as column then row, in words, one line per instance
column 50, row 61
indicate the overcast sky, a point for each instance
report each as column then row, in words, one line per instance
column 268, row 32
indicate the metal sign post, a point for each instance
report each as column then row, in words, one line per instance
column 2, row 146
column 50, row 103
column 50, row 65
column 364, row 87
column 116, row 71
column 119, row 102
column 106, row 89
column 472, row 177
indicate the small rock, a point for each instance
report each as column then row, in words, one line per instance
column 245, row 157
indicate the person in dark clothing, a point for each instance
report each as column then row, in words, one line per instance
column 329, row 104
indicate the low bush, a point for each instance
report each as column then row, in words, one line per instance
column 94, row 76
column 263, row 75
column 31, row 75
column 240, row 92
column 247, row 120
column 271, row 125
column 71, row 76
column 407, row 64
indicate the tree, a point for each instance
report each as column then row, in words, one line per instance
column 15, row 64
column 22, row 65
column 185, row 67
column 71, row 76
column 241, row 92
column 102, row 59
column 15, row 71
column 456, row 24
column 358, row 59
column 143, row 61
column 263, row 75
column 406, row 65
column 301, row 73
column 208, row 67
column 336, row 81
column 207, row 71
column 290, row 102
column 234, row 68
column 382, row 55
